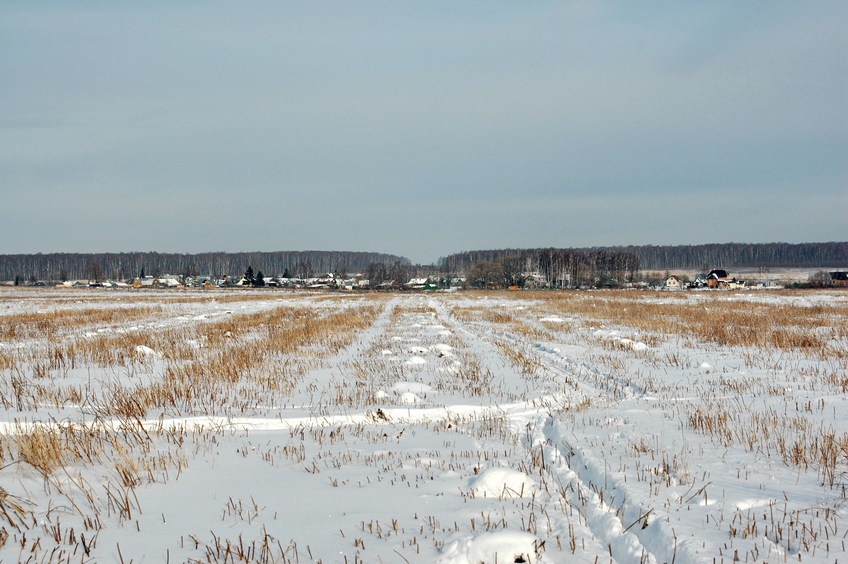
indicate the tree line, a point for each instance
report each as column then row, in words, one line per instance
column 575, row 266
column 556, row 268
column 121, row 266
column 730, row 255
column 696, row 257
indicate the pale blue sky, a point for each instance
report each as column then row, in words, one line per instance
column 420, row 128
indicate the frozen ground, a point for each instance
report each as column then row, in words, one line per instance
column 445, row 427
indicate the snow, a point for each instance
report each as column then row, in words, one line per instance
column 412, row 387
column 416, row 360
column 506, row 546
column 387, row 448
column 502, row 482
column 407, row 398
column 143, row 350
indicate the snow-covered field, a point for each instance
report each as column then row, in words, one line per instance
column 442, row 427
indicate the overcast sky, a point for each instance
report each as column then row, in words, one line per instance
column 420, row 128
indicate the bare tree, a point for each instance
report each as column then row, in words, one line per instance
column 94, row 271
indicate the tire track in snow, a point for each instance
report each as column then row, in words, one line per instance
column 633, row 530
column 573, row 469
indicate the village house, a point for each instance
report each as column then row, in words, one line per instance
column 535, row 281
column 839, row 278
column 416, row 283
column 722, row 279
column 674, row 282
column 718, row 278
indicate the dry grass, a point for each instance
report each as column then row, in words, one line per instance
column 247, row 363
column 52, row 323
column 818, row 330
column 767, row 334
column 43, row 448
column 248, row 357
column 794, row 438
column 528, row 364
column 502, row 320
column 234, row 360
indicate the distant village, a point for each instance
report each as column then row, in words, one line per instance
column 714, row 279
column 718, row 278
column 722, row 279
column 327, row 281
column 719, row 266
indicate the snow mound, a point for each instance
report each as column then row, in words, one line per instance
column 501, row 546
column 415, row 360
column 553, row 319
column 386, row 352
column 452, row 369
column 412, row 387
column 623, row 342
column 145, row 351
column 408, row 398
column 502, row 482
column 603, row 334
column 417, row 350
column 444, row 351
column 745, row 504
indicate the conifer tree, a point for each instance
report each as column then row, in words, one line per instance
column 259, row 281
column 249, row 279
